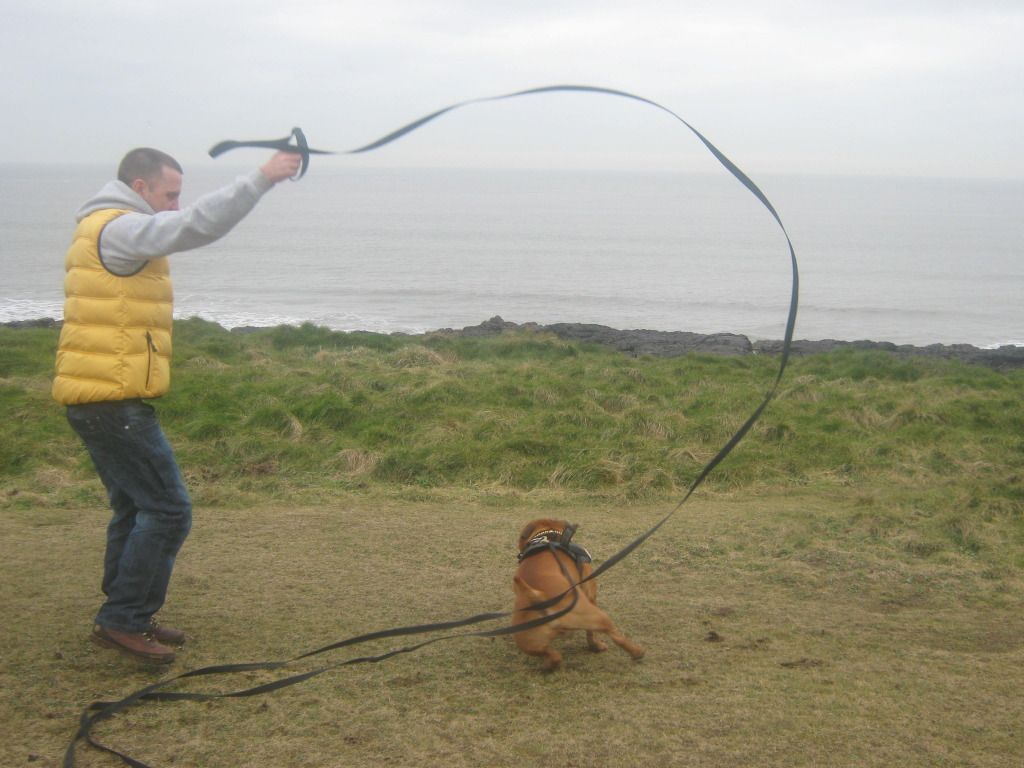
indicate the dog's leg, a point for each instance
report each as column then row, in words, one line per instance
column 591, row 618
column 536, row 641
column 634, row 650
column 593, row 643
column 552, row 659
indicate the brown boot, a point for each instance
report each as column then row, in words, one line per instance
column 138, row 645
column 166, row 635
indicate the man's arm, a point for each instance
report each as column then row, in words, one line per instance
column 130, row 240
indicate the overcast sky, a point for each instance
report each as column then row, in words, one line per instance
column 920, row 88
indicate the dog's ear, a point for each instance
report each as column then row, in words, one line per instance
column 527, row 532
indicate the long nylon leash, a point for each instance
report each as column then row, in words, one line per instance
column 296, row 142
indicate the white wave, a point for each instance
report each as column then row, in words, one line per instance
column 29, row 309
column 1010, row 343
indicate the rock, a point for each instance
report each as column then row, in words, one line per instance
column 1006, row 357
column 675, row 343
column 493, row 327
column 656, row 343
column 42, row 322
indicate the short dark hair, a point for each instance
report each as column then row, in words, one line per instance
column 145, row 163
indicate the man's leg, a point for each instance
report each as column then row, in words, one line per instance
column 137, row 465
column 118, row 530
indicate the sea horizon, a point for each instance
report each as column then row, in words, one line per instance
column 903, row 260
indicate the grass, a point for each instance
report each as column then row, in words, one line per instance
column 845, row 590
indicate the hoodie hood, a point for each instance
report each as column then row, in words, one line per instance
column 115, row 194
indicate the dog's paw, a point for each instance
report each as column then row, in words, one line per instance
column 552, row 660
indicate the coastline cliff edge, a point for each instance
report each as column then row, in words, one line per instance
column 639, row 342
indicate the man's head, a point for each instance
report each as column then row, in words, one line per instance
column 154, row 175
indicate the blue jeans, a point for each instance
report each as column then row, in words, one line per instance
column 152, row 510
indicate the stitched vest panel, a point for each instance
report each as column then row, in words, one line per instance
column 116, row 340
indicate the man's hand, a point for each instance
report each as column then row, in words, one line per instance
column 283, row 165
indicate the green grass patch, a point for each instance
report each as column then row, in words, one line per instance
column 527, row 412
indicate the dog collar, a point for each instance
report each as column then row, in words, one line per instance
column 544, row 536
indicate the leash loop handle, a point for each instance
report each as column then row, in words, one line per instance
column 303, row 147
column 300, row 147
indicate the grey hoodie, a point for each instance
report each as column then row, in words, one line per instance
column 130, row 240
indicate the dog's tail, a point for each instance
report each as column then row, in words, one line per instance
column 527, row 595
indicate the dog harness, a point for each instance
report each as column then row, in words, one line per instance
column 546, row 540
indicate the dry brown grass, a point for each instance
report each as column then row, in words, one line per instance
column 769, row 644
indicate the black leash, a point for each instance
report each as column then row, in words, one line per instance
column 99, row 711
column 104, row 710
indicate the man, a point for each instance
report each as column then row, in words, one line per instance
column 115, row 351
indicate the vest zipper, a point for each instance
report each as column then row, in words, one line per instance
column 150, row 349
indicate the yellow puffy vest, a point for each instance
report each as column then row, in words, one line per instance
column 116, row 340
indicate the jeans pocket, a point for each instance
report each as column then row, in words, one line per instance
column 91, row 419
column 110, row 418
column 138, row 414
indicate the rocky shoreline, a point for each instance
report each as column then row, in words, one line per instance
column 676, row 343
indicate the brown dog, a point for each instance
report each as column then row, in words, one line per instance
column 541, row 576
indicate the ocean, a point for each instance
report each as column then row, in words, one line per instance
column 910, row 261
